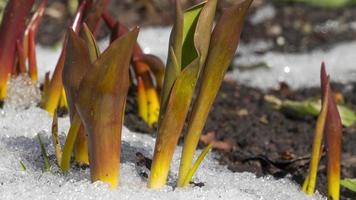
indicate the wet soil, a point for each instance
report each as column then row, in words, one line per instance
column 264, row 140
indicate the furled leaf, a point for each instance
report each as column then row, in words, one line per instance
column 101, row 103
column 310, row 181
column 349, row 184
column 190, row 35
column 76, row 65
column 172, row 124
column 174, row 60
column 223, row 44
column 88, row 37
column 333, row 134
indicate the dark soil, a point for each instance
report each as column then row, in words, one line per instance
column 264, row 140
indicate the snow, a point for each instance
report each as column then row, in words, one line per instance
column 18, row 142
column 297, row 70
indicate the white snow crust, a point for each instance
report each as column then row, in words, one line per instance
column 18, row 142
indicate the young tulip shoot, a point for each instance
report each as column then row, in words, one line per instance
column 100, row 103
column 328, row 124
column 310, row 181
column 223, row 44
column 187, row 53
column 333, row 135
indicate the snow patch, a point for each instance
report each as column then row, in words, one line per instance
column 18, row 142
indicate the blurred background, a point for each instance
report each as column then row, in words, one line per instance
column 287, row 25
column 283, row 41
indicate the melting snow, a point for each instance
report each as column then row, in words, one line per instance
column 18, row 130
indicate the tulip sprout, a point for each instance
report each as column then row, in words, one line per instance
column 328, row 124
column 194, row 54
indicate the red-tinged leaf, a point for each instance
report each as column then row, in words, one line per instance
column 32, row 61
column 11, row 30
column 101, row 103
column 310, row 181
column 78, row 19
column 80, row 56
column 51, row 100
column 333, row 134
column 93, row 14
column 20, row 57
column 34, row 24
column 157, row 67
column 76, row 65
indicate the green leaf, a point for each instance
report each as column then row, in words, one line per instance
column 189, row 39
column 312, row 108
column 47, row 166
column 197, row 163
column 349, row 184
column 348, row 116
column 332, row 4
column 223, row 44
column 89, row 38
column 22, row 166
column 172, row 124
column 189, row 52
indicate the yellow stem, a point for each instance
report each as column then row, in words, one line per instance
column 153, row 106
column 69, row 144
column 55, row 139
column 81, row 154
column 316, row 151
column 142, row 100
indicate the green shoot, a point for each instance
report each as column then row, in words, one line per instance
column 47, row 166
column 349, row 183
column 22, row 165
column 197, row 163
